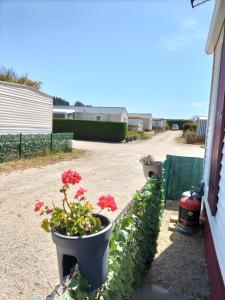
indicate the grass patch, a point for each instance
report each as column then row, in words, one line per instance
column 39, row 161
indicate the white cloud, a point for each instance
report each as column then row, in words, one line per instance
column 199, row 104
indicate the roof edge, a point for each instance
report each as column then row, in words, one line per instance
column 140, row 114
column 87, row 107
column 215, row 26
column 26, row 87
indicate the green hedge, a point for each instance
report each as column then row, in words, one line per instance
column 132, row 248
column 28, row 145
column 179, row 122
column 92, row 130
column 9, row 147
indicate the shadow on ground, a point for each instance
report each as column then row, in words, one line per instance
column 179, row 270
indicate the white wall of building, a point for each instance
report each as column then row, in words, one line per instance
column 24, row 110
column 146, row 118
column 217, row 222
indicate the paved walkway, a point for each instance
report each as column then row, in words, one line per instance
column 28, row 257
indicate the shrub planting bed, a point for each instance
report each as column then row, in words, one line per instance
column 190, row 134
column 132, row 248
column 92, row 130
column 136, row 135
column 13, row 146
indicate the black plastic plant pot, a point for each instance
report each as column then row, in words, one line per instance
column 90, row 252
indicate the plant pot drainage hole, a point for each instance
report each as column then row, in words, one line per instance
column 150, row 174
column 68, row 263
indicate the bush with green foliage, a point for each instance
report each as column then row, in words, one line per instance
column 92, row 130
column 189, row 126
column 142, row 135
column 179, row 122
column 60, row 101
column 60, row 141
column 132, row 248
column 190, row 137
column 9, row 75
column 13, row 146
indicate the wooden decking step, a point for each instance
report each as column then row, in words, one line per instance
column 174, row 218
column 172, row 227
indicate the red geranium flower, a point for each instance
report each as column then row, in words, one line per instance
column 38, row 206
column 71, row 177
column 80, row 192
column 107, row 202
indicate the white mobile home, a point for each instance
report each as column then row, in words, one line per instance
column 95, row 113
column 214, row 170
column 146, row 118
column 135, row 124
column 64, row 112
column 158, row 123
column 24, row 109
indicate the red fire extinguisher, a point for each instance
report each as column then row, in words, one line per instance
column 189, row 212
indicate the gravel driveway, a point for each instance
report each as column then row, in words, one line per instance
column 28, row 257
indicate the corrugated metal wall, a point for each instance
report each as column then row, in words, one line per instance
column 24, row 110
column 201, row 128
column 217, row 222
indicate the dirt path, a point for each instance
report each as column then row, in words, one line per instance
column 28, row 257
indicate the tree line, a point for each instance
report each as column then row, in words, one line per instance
column 9, row 75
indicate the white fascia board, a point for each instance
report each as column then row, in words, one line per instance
column 216, row 26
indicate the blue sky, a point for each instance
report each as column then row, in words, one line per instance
column 146, row 55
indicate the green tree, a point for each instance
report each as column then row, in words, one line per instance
column 9, row 75
column 60, row 101
column 79, row 103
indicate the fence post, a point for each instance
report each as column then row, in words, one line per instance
column 20, row 146
column 51, row 142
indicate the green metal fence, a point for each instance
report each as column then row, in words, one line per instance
column 13, row 146
column 180, row 174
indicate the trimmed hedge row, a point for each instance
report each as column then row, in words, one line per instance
column 179, row 122
column 13, row 146
column 92, row 130
column 132, row 248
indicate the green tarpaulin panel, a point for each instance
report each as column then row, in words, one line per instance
column 180, row 174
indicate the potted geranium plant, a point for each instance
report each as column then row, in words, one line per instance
column 80, row 235
column 150, row 166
